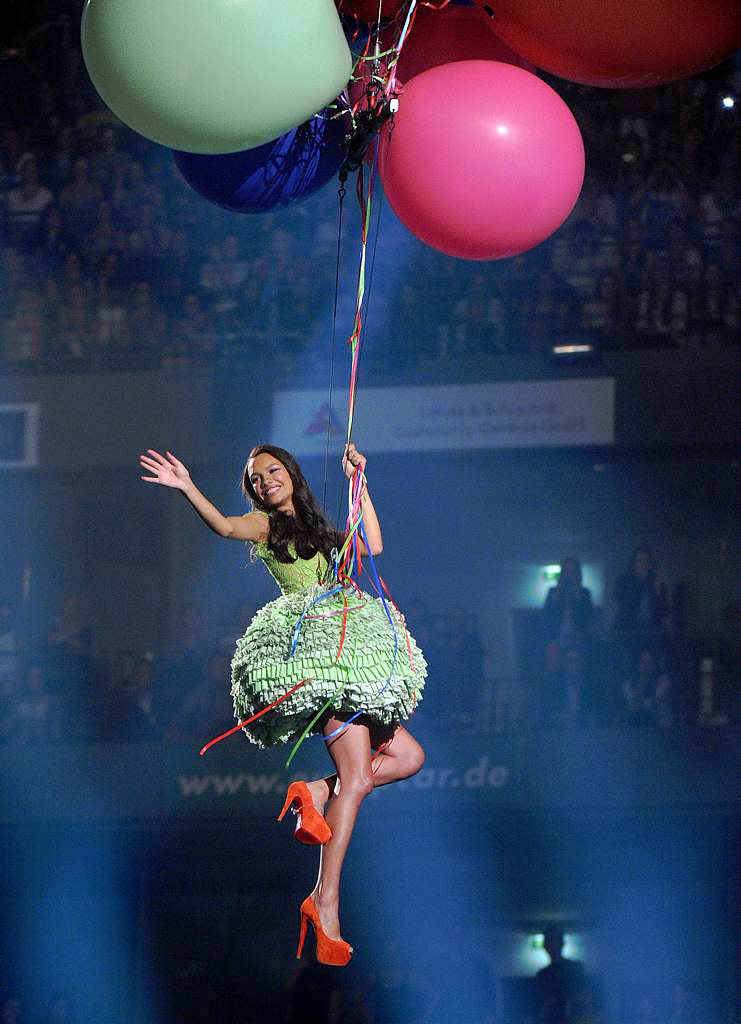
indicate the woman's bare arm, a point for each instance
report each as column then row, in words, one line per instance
column 371, row 525
column 170, row 472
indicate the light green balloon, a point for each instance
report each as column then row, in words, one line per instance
column 214, row 76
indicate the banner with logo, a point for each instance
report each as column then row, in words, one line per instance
column 504, row 414
column 601, row 769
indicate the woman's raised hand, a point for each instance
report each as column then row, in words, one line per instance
column 351, row 459
column 167, row 470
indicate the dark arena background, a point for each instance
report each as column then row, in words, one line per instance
column 566, row 417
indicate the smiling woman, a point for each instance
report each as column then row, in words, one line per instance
column 323, row 657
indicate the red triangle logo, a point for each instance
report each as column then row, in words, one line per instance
column 324, row 421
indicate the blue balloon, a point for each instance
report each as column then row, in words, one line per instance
column 293, row 166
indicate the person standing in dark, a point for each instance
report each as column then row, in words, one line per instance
column 642, row 605
column 642, row 614
column 568, row 616
column 558, row 984
column 568, row 610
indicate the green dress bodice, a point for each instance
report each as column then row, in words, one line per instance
column 293, row 577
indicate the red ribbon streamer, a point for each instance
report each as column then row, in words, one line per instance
column 247, row 721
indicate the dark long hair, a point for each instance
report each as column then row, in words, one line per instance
column 308, row 529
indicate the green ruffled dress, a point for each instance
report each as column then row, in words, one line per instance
column 369, row 678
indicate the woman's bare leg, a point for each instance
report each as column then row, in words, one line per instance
column 397, row 757
column 351, row 753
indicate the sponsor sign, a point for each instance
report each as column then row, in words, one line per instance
column 505, row 414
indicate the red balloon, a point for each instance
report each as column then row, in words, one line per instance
column 367, row 10
column 484, row 161
column 618, row 43
column 451, row 34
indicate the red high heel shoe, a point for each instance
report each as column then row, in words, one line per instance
column 334, row 952
column 311, row 828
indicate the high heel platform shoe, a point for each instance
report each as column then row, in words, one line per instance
column 311, row 828
column 334, row 952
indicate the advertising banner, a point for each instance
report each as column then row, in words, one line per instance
column 505, row 414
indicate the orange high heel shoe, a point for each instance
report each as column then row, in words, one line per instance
column 311, row 828
column 334, row 952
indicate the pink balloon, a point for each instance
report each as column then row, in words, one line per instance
column 484, row 161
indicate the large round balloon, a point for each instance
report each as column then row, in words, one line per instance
column 618, row 43
column 214, row 77
column 484, row 161
column 447, row 35
column 276, row 174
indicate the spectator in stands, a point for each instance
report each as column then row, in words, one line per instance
column 568, row 619
column 641, row 596
column 106, row 160
column 133, row 190
column 131, row 713
column 580, row 273
column 685, row 261
column 145, row 228
column 547, row 315
column 73, row 275
column 609, row 256
column 54, row 241
column 660, row 198
column 282, row 253
column 147, row 321
column 642, row 611
column 79, row 200
column 636, row 129
column 34, row 714
column 104, row 236
column 24, row 335
column 62, row 157
column 297, row 315
column 472, row 313
column 110, row 332
column 170, row 267
column 406, row 308
column 647, row 692
column 568, row 613
column 710, row 303
column 26, row 203
column 137, row 256
column 600, row 314
column 110, row 278
column 663, row 308
column 73, row 339
column 720, row 202
column 193, row 326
